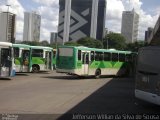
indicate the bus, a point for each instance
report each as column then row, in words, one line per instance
column 84, row 61
column 41, row 58
column 147, row 86
column 22, row 56
column 54, row 58
column 7, row 60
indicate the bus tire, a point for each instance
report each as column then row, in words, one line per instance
column 35, row 68
column 98, row 73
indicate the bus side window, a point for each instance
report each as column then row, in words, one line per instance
column 115, row 57
column 107, row 56
column 79, row 55
column 128, row 57
column 121, row 57
column 5, row 58
column 98, row 56
column 37, row 53
column 92, row 55
column 101, row 57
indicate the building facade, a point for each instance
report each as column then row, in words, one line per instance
column 53, row 37
column 130, row 23
column 81, row 18
column 148, row 34
column 155, row 34
column 7, row 27
column 32, row 24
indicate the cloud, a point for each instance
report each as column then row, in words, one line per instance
column 49, row 10
column 114, row 9
column 156, row 10
column 48, row 13
column 45, row 35
column 130, row 4
column 49, row 21
column 53, row 3
column 114, row 15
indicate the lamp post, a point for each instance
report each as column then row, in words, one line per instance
column 7, row 23
column 107, row 41
column 8, row 7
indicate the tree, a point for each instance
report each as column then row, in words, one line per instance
column 33, row 43
column 114, row 40
column 71, row 43
column 90, row 42
column 136, row 45
column 44, row 43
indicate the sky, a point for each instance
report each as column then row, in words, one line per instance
column 148, row 11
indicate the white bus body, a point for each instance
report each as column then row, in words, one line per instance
column 147, row 85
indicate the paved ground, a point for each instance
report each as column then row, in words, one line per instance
column 53, row 94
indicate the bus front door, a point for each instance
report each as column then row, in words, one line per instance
column 5, row 62
column 85, row 63
column 25, row 60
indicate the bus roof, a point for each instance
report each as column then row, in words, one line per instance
column 96, row 49
column 42, row 47
column 5, row 44
column 21, row 45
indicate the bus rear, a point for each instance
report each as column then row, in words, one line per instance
column 65, row 61
column 148, row 75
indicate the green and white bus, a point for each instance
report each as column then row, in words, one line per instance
column 7, row 60
column 22, row 56
column 41, row 58
column 54, row 58
column 84, row 61
column 147, row 85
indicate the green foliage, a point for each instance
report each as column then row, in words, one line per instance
column 33, row 43
column 71, row 43
column 90, row 42
column 54, row 46
column 44, row 43
column 135, row 46
column 114, row 40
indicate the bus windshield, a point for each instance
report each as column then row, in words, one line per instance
column 5, row 57
column 37, row 53
column 148, row 60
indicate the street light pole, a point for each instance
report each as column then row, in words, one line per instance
column 7, row 23
column 107, row 41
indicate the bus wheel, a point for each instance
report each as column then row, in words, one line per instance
column 35, row 68
column 97, row 73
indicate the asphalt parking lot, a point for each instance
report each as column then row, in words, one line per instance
column 48, row 94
